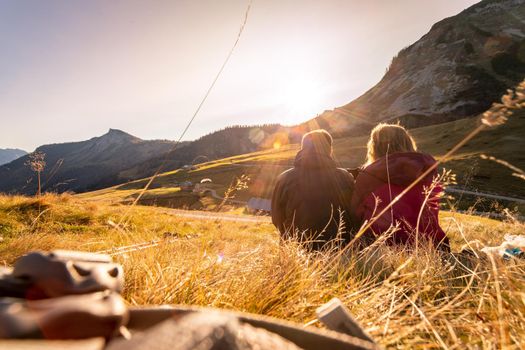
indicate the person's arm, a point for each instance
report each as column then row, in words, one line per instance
column 347, row 191
column 348, row 188
column 357, row 200
column 440, row 237
column 278, row 214
column 354, row 171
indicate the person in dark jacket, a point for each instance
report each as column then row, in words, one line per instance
column 393, row 164
column 311, row 200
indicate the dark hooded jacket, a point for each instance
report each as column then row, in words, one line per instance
column 416, row 212
column 312, row 198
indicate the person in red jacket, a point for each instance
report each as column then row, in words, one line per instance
column 393, row 163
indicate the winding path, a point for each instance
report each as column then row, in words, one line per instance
column 204, row 215
column 486, row 195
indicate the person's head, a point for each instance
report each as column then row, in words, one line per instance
column 318, row 141
column 388, row 138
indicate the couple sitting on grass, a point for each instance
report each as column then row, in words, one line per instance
column 319, row 203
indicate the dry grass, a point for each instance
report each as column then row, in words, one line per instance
column 402, row 299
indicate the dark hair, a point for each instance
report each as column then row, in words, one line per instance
column 319, row 141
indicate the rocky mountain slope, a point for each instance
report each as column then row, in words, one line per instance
column 9, row 154
column 80, row 166
column 462, row 65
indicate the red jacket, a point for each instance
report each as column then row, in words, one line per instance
column 380, row 182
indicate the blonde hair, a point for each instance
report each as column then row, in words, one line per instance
column 388, row 138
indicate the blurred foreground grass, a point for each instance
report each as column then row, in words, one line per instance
column 403, row 300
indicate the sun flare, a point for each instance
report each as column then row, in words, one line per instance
column 303, row 100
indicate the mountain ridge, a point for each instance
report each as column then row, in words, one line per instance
column 9, row 154
column 82, row 165
column 456, row 70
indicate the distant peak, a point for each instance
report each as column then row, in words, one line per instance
column 13, row 150
column 119, row 134
column 116, row 132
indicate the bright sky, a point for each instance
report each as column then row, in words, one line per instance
column 70, row 70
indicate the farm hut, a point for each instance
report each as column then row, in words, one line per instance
column 256, row 204
column 186, row 186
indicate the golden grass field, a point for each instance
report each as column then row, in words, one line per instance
column 409, row 300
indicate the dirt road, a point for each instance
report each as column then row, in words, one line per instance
column 205, row 215
column 485, row 195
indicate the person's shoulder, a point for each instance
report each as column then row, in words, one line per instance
column 424, row 160
column 345, row 173
column 428, row 157
column 286, row 174
column 355, row 171
column 417, row 155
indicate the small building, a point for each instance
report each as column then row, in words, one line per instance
column 186, row 186
column 257, row 205
column 205, row 186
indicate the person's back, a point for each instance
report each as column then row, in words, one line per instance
column 312, row 200
column 393, row 165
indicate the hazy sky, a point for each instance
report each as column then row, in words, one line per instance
column 71, row 69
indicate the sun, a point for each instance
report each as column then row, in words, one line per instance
column 303, row 99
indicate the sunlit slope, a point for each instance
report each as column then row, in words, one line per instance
column 505, row 142
column 456, row 70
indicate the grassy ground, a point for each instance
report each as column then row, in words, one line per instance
column 403, row 300
column 473, row 172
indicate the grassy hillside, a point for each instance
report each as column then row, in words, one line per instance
column 473, row 172
column 403, row 300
